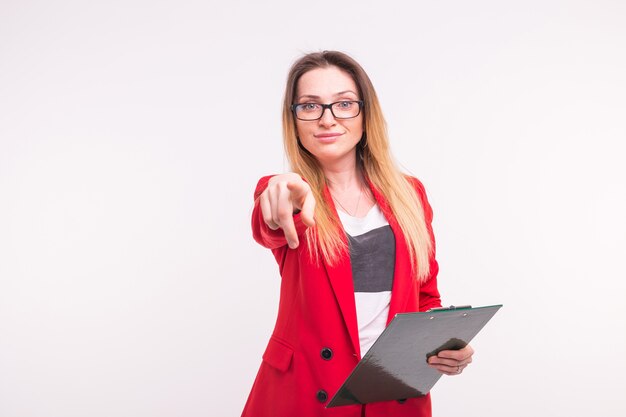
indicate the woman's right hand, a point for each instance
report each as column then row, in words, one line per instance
column 285, row 195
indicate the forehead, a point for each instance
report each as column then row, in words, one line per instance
column 325, row 83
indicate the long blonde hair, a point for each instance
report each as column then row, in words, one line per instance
column 374, row 159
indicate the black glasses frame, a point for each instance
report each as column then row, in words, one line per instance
column 329, row 107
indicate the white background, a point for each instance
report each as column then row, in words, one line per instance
column 132, row 134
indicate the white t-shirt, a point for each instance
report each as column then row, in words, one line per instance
column 372, row 255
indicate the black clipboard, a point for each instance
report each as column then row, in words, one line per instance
column 396, row 365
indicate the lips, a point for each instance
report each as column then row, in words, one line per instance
column 327, row 137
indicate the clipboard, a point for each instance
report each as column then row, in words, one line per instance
column 396, row 368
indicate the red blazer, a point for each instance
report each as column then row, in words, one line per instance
column 315, row 343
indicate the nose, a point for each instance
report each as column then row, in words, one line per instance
column 327, row 119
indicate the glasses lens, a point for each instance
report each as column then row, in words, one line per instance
column 346, row 109
column 309, row 111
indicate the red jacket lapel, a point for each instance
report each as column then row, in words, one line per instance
column 340, row 277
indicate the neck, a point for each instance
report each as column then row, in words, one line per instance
column 344, row 177
column 344, row 181
column 348, row 189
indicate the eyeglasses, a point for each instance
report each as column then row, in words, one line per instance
column 339, row 110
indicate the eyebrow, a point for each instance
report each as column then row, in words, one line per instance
column 341, row 93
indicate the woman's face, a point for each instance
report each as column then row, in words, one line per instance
column 332, row 141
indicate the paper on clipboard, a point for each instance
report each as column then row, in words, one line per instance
column 396, row 365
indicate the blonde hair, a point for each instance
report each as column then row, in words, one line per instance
column 374, row 159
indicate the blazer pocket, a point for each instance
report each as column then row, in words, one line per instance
column 278, row 354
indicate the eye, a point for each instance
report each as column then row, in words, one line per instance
column 345, row 104
column 308, row 107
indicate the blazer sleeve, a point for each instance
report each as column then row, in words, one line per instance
column 271, row 239
column 429, row 293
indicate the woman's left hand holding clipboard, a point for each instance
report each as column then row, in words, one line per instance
column 452, row 362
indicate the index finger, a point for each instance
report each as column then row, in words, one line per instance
column 285, row 217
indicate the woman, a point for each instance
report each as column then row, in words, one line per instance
column 353, row 240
